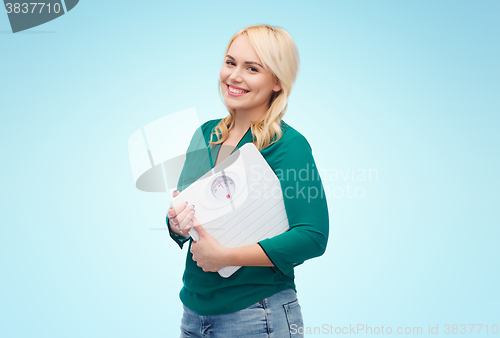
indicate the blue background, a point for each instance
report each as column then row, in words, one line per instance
column 407, row 89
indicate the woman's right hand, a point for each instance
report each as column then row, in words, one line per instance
column 181, row 217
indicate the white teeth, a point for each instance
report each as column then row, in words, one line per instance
column 236, row 91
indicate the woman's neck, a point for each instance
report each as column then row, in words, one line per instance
column 243, row 120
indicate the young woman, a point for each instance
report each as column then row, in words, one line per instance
column 259, row 300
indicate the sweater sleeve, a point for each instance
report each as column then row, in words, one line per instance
column 305, row 205
column 180, row 240
column 196, row 151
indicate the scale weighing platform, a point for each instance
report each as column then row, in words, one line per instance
column 239, row 202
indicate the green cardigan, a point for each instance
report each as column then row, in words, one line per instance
column 207, row 293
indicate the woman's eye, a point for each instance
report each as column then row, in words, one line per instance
column 253, row 69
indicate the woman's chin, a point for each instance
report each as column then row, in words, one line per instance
column 232, row 105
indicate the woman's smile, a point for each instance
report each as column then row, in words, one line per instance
column 236, row 91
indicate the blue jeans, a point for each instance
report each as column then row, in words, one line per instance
column 278, row 316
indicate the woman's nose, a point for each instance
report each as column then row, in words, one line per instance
column 236, row 76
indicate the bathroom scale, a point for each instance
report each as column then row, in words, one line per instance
column 239, row 202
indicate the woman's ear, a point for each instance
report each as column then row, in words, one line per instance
column 277, row 86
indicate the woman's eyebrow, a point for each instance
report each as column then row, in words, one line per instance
column 246, row 62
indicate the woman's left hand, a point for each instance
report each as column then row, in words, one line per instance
column 207, row 252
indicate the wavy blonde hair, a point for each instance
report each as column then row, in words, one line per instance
column 277, row 50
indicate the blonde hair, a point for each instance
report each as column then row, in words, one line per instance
column 277, row 50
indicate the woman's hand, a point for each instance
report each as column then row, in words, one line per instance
column 181, row 217
column 207, row 252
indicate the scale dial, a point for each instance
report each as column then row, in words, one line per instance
column 223, row 187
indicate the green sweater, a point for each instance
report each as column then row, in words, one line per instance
column 207, row 293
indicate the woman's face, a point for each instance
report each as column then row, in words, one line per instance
column 246, row 86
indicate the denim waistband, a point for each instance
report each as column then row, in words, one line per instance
column 280, row 298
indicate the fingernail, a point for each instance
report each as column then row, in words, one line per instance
column 192, row 212
column 193, row 206
column 176, row 190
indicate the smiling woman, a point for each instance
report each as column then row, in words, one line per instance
column 259, row 69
